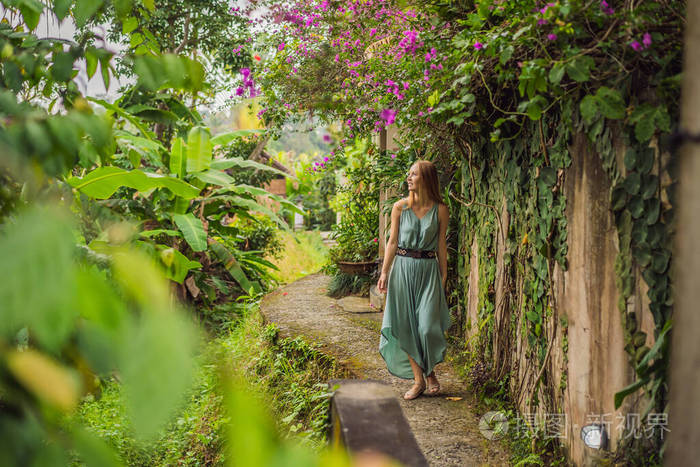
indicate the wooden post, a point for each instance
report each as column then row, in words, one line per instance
column 683, row 448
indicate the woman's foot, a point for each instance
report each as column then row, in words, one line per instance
column 416, row 390
column 433, row 385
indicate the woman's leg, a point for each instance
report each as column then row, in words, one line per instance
column 419, row 383
column 433, row 384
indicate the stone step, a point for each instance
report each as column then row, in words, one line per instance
column 353, row 304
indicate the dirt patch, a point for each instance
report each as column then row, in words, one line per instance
column 447, row 431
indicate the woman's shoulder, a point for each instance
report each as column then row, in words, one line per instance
column 401, row 204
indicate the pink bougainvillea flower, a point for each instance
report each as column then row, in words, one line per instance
column 478, row 45
column 388, row 115
column 239, row 91
column 552, row 37
column 646, row 40
column 393, row 156
column 636, row 45
column 281, row 46
column 541, row 22
column 327, row 138
column 607, row 9
column 375, row 240
column 245, row 72
column 372, row 32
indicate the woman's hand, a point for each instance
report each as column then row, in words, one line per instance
column 381, row 284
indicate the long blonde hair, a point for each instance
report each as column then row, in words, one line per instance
column 428, row 173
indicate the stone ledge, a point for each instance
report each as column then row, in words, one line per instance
column 366, row 416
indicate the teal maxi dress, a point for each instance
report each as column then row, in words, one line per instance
column 416, row 314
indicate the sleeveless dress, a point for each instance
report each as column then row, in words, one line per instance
column 416, row 314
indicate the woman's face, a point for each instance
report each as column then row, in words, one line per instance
column 413, row 179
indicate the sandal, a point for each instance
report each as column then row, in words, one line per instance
column 433, row 389
column 414, row 392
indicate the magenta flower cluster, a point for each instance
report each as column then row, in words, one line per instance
column 646, row 43
column 248, row 84
column 607, row 9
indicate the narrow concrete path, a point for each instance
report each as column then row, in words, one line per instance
column 446, row 430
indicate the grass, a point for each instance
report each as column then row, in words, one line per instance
column 303, row 253
column 287, row 377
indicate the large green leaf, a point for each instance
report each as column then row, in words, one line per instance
column 31, row 11
column 620, row 396
column 145, row 147
column 61, row 8
column 178, row 158
column 222, row 164
column 232, row 266
column 654, row 351
column 253, row 205
column 192, row 229
column 610, row 103
column 169, row 71
column 199, row 149
column 123, row 8
column 225, row 138
column 249, row 190
column 84, row 9
column 155, row 232
column 37, row 252
column 102, row 182
column 589, row 108
column 177, row 265
column 126, row 115
column 215, row 177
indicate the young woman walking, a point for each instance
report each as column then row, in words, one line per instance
column 413, row 276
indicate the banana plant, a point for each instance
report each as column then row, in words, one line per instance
column 201, row 191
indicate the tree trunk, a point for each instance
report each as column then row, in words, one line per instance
column 683, row 448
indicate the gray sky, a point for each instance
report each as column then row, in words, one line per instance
column 50, row 27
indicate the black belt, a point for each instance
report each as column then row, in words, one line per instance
column 415, row 253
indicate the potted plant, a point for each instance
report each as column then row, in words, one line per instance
column 357, row 201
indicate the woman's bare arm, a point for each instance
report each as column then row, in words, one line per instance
column 391, row 245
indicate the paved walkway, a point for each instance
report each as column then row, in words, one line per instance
column 446, row 430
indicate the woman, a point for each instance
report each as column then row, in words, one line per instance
column 416, row 314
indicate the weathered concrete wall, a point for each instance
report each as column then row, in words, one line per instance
column 585, row 313
column 587, row 296
column 472, row 326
